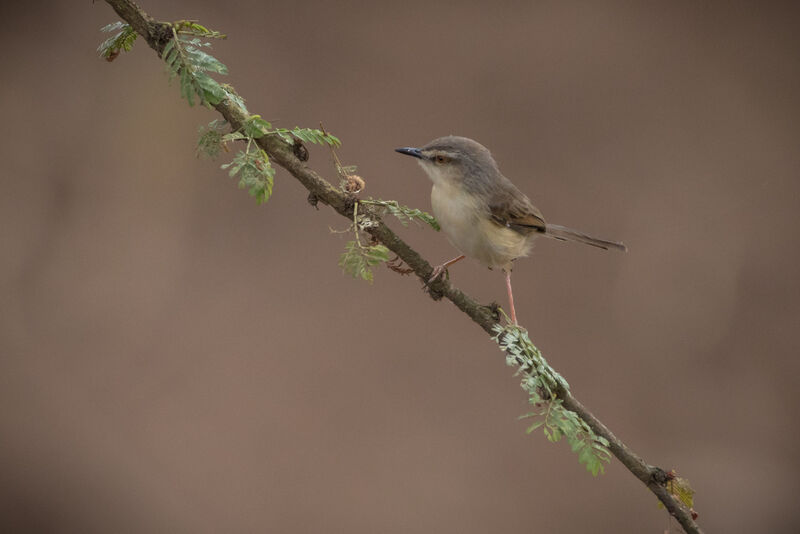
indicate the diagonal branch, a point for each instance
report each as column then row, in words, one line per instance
column 157, row 34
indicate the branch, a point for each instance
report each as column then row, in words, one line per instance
column 293, row 157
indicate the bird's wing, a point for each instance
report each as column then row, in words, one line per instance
column 514, row 210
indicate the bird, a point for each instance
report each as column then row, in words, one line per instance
column 481, row 212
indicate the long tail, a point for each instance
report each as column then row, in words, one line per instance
column 567, row 234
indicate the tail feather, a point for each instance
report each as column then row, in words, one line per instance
column 562, row 233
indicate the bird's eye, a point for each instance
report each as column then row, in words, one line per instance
column 440, row 159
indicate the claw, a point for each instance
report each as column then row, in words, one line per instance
column 439, row 269
column 437, row 272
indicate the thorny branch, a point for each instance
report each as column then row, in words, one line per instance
column 157, row 34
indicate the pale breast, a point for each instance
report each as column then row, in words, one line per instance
column 470, row 229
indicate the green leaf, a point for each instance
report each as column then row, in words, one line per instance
column 210, row 140
column 184, row 58
column 254, row 171
column 212, row 92
column 286, row 135
column 534, row 426
column 682, row 490
column 310, row 135
column 542, row 383
column 122, row 40
column 404, row 213
column 203, row 61
column 169, row 52
column 358, row 260
column 187, row 86
column 192, row 27
column 108, row 28
column 352, row 262
column 234, row 136
column 256, row 127
column 376, row 254
column 233, row 97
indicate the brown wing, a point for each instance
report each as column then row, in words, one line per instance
column 512, row 209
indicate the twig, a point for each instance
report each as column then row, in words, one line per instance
column 157, row 34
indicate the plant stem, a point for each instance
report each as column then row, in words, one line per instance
column 157, row 34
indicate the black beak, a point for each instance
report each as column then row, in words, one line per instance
column 408, row 151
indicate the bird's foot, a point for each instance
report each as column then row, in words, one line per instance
column 442, row 269
column 437, row 272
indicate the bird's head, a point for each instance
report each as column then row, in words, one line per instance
column 453, row 160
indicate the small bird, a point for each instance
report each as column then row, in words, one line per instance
column 482, row 213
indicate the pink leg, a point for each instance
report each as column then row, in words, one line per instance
column 510, row 296
column 439, row 269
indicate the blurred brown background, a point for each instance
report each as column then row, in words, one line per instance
column 174, row 358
